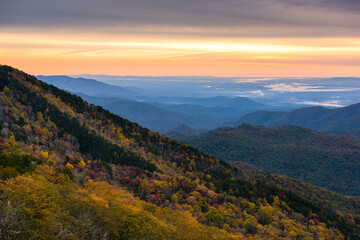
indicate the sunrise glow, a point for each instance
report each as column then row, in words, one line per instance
column 172, row 46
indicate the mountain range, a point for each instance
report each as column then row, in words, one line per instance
column 157, row 113
column 73, row 170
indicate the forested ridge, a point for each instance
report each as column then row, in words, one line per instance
column 320, row 118
column 72, row 170
column 326, row 160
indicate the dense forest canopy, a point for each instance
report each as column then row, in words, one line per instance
column 322, row 159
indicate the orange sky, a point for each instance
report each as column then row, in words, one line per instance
column 274, row 50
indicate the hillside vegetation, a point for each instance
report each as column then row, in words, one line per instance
column 325, row 160
column 71, row 170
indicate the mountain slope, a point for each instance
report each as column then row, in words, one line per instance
column 319, row 118
column 255, row 118
column 237, row 102
column 218, row 101
column 216, row 114
column 338, row 202
column 325, row 160
column 183, row 131
column 99, row 101
column 71, row 170
column 152, row 117
column 147, row 115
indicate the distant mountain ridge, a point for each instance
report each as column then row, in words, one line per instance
column 153, row 117
column 161, row 117
column 157, row 113
column 84, row 85
column 100, row 101
column 183, row 131
column 319, row 118
column 236, row 102
column 216, row 101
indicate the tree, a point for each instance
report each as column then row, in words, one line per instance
column 8, row 216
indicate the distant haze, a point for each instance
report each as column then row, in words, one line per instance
column 328, row 92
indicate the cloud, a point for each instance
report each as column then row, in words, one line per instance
column 194, row 17
column 325, row 103
column 299, row 87
column 342, row 5
column 207, row 37
column 257, row 92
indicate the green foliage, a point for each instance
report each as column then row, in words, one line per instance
column 8, row 172
column 15, row 164
column 319, row 196
column 324, row 160
column 266, row 214
column 250, row 226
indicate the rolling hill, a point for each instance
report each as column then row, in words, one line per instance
column 217, row 101
column 72, row 170
column 183, row 131
column 214, row 114
column 329, row 161
column 318, row 118
column 153, row 117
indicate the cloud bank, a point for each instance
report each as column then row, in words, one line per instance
column 244, row 18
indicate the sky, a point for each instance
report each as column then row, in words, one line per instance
column 244, row 38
